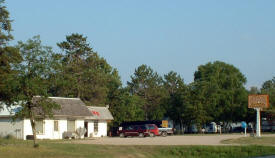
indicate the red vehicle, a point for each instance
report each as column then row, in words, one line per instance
column 139, row 130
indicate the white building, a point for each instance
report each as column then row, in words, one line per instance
column 72, row 116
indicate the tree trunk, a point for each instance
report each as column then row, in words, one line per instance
column 199, row 128
column 226, row 127
column 181, row 127
column 33, row 129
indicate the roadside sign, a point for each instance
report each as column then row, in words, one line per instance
column 258, row 101
column 244, row 125
column 164, row 123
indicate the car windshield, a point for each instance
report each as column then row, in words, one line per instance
column 150, row 126
column 129, row 128
column 142, row 127
column 136, row 127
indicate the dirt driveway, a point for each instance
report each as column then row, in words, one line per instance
column 169, row 140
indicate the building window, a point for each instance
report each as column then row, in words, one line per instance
column 39, row 126
column 55, row 125
column 71, row 126
column 96, row 126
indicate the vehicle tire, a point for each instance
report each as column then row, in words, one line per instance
column 164, row 134
column 121, row 135
column 141, row 135
column 152, row 135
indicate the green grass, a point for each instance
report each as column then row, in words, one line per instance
column 56, row 149
column 251, row 141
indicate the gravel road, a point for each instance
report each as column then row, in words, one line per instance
column 169, row 140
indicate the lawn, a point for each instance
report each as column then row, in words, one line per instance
column 252, row 141
column 56, row 149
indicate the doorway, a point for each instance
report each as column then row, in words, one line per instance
column 86, row 128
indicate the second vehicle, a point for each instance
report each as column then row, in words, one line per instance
column 139, row 130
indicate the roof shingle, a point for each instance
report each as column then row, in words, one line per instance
column 70, row 107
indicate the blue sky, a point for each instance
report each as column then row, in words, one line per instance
column 173, row 35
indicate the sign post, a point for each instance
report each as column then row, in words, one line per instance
column 258, row 123
column 244, row 126
column 258, row 102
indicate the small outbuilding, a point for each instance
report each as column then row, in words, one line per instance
column 72, row 119
column 96, row 125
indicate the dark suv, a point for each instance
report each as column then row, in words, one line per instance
column 139, row 130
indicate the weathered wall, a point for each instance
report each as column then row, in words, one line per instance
column 13, row 128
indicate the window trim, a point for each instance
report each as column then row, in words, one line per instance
column 96, row 127
column 43, row 127
column 74, row 125
column 54, row 126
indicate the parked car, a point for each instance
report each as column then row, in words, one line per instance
column 237, row 130
column 163, row 130
column 211, row 128
column 139, row 130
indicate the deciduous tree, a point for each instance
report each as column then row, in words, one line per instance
column 222, row 91
column 9, row 56
column 126, row 107
column 177, row 101
column 33, row 73
column 268, row 87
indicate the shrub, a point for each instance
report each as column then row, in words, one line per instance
column 9, row 136
column 36, row 145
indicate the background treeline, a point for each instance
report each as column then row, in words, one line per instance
column 30, row 68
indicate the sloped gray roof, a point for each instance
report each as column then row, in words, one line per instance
column 100, row 113
column 70, row 107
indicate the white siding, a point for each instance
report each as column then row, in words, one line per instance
column 15, row 128
column 90, row 128
column 27, row 128
column 102, row 129
column 48, row 129
column 49, row 132
column 62, row 128
column 79, row 124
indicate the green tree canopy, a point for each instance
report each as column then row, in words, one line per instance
column 84, row 74
column 172, row 82
column 254, row 90
column 32, row 78
column 147, row 84
column 126, row 107
column 221, row 91
column 9, row 56
column 268, row 87
column 177, row 104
